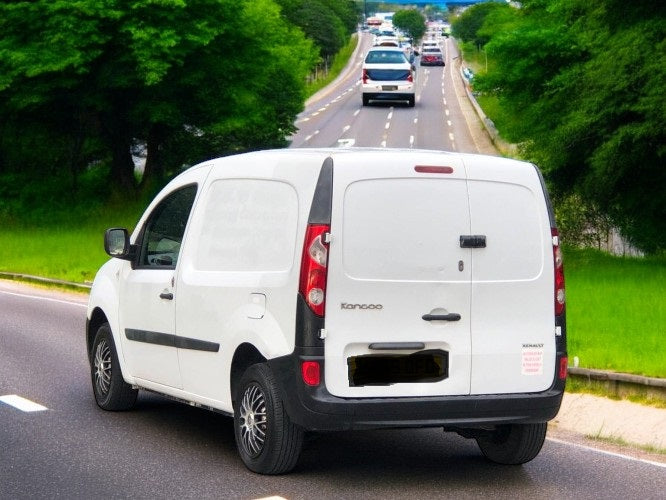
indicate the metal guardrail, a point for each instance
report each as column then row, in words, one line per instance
column 621, row 384
column 46, row 281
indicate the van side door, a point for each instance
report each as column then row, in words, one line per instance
column 147, row 306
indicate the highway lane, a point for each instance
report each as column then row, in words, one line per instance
column 442, row 118
column 163, row 449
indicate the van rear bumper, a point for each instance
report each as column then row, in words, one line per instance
column 314, row 408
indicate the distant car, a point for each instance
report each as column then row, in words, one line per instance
column 387, row 41
column 432, row 57
column 387, row 75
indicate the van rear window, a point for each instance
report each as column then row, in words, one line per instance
column 388, row 75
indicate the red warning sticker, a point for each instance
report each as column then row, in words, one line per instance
column 532, row 359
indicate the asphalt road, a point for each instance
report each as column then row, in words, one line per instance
column 440, row 119
column 163, row 449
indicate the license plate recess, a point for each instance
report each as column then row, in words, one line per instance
column 389, row 87
column 388, row 369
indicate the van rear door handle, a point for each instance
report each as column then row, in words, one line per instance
column 167, row 296
column 472, row 241
column 441, row 317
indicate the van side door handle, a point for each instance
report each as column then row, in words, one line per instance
column 441, row 317
column 166, row 296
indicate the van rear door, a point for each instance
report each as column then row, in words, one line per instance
column 399, row 283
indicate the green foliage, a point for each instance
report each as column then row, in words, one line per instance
column 326, row 22
column 410, row 21
column 180, row 77
column 467, row 27
column 585, row 83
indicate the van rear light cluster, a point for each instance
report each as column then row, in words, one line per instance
column 314, row 263
column 365, row 76
column 410, row 78
column 559, row 273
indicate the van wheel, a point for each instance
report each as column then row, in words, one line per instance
column 513, row 444
column 366, row 100
column 410, row 101
column 110, row 389
column 267, row 441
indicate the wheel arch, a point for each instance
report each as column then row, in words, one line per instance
column 245, row 356
column 97, row 319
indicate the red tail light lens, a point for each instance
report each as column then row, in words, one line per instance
column 311, row 373
column 365, row 76
column 559, row 273
column 410, row 78
column 314, row 267
column 564, row 362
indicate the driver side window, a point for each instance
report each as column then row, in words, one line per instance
column 164, row 230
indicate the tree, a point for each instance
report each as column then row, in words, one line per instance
column 410, row 21
column 326, row 22
column 227, row 73
column 586, row 85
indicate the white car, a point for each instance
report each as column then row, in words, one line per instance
column 387, row 75
column 328, row 290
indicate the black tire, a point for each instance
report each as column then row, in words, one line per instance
column 366, row 100
column 513, row 444
column 411, row 101
column 110, row 389
column 267, row 441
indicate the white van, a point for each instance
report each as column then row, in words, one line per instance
column 321, row 290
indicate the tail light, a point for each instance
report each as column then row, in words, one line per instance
column 559, row 273
column 311, row 373
column 314, row 267
column 562, row 374
column 365, row 76
column 410, row 78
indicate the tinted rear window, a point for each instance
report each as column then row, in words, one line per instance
column 386, row 75
column 385, row 57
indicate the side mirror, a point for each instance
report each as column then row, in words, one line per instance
column 117, row 244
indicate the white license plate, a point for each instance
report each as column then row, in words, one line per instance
column 389, row 87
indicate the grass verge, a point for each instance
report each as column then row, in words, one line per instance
column 616, row 312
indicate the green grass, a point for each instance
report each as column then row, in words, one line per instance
column 340, row 60
column 616, row 312
column 72, row 250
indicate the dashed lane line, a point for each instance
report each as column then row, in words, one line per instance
column 22, row 404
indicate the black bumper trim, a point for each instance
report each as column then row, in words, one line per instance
column 314, row 408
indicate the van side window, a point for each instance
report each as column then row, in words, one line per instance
column 163, row 232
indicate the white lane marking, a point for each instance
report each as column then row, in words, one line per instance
column 346, row 143
column 604, row 452
column 311, row 135
column 451, row 136
column 48, row 299
column 315, row 113
column 416, row 121
column 357, row 112
column 448, row 122
column 383, row 144
column 323, row 109
column 345, row 128
column 390, row 115
column 388, row 124
column 446, row 112
column 21, row 403
column 411, row 141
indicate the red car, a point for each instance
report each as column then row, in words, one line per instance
column 432, row 57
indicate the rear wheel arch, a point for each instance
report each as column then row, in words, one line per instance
column 245, row 356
